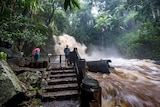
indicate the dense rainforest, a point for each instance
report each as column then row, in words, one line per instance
column 130, row 26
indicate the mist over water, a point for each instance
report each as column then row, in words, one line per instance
column 132, row 82
column 95, row 54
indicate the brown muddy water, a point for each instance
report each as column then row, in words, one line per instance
column 132, row 83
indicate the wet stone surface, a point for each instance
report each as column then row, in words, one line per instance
column 64, row 103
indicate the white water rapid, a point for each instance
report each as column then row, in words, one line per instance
column 133, row 83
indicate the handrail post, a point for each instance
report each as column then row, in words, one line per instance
column 49, row 57
column 90, row 93
column 60, row 59
column 82, row 68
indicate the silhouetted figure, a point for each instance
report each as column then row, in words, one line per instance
column 36, row 56
column 67, row 52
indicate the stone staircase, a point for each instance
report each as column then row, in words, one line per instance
column 61, row 85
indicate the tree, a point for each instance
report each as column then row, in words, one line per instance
column 18, row 24
column 71, row 4
column 147, row 9
column 148, row 14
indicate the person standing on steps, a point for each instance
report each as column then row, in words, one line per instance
column 36, row 56
column 67, row 52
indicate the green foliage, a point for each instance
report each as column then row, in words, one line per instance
column 147, row 9
column 31, row 21
column 21, row 23
column 125, row 42
column 147, row 38
column 18, row 24
column 32, row 102
column 71, row 4
column 140, row 45
column 130, row 16
column 3, row 56
column 60, row 21
column 24, row 29
column 11, row 7
column 104, row 20
column 82, row 24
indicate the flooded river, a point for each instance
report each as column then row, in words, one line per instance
column 132, row 83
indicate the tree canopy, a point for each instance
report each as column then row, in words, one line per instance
column 132, row 26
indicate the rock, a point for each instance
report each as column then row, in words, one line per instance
column 10, row 52
column 156, row 62
column 19, row 61
column 30, row 77
column 9, row 83
column 5, row 44
column 44, row 82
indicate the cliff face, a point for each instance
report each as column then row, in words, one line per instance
column 9, row 83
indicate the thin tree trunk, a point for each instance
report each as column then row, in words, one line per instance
column 50, row 18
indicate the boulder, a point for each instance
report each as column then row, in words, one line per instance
column 11, row 53
column 9, row 83
column 30, row 78
column 19, row 61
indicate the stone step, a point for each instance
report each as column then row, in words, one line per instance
column 59, row 68
column 65, row 80
column 59, row 95
column 61, row 71
column 60, row 87
column 62, row 75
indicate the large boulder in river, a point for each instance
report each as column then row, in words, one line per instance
column 10, row 85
